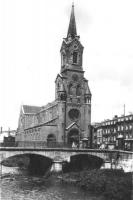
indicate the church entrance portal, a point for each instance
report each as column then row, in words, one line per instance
column 73, row 137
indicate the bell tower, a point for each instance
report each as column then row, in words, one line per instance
column 71, row 49
column 75, row 89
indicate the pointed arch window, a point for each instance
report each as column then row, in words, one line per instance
column 75, row 57
column 70, row 89
column 78, row 90
column 63, row 59
column 58, row 86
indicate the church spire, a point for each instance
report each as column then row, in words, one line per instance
column 72, row 32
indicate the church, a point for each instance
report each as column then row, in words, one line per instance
column 67, row 119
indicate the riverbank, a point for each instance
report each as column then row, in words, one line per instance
column 107, row 184
column 21, row 186
column 111, row 184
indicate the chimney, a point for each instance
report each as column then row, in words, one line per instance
column 1, row 129
column 8, row 132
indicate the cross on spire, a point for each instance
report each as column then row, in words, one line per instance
column 72, row 32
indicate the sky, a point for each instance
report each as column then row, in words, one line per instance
column 31, row 33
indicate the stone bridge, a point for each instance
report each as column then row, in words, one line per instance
column 60, row 155
column 64, row 154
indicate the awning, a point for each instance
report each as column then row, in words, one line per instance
column 120, row 136
column 84, row 139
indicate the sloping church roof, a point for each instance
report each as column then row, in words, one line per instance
column 31, row 109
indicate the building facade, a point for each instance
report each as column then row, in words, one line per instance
column 7, row 137
column 109, row 131
column 67, row 119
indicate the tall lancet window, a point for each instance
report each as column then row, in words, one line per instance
column 63, row 60
column 75, row 57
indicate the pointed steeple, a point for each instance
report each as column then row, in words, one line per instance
column 72, row 32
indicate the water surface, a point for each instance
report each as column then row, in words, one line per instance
column 19, row 186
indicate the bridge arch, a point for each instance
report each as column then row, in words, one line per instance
column 7, row 154
column 79, row 162
column 33, row 163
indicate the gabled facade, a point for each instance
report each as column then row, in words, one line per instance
column 67, row 119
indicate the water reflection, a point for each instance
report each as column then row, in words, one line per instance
column 18, row 186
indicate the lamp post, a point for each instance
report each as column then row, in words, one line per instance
column 79, row 140
column 124, row 130
column 124, row 134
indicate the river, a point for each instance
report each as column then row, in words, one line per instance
column 19, row 186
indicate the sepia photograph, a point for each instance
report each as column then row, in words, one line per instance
column 66, row 106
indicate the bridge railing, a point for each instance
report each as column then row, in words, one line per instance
column 42, row 144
